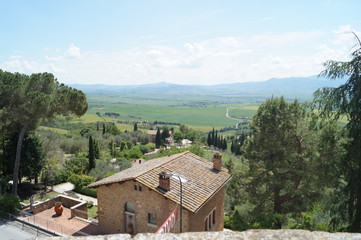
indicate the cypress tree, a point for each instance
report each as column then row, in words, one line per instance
column 232, row 147
column 103, row 128
column 209, row 139
column 212, row 137
column 135, row 127
column 158, row 140
column 224, row 144
column 215, row 144
column 91, row 154
column 96, row 149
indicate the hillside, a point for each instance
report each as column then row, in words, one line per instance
column 299, row 87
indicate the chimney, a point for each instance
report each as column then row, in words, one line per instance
column 217, row 161
column 164, row 181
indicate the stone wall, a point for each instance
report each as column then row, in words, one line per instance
column 258, row 234
column 78, row 207
column 197, row 220
column 112, row 200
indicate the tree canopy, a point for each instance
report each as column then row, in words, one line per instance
column 284, row 160
column 335, row 103
column 27, row 100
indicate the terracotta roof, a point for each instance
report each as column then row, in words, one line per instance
column 202, row 181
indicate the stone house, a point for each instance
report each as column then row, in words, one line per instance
column 141, row 198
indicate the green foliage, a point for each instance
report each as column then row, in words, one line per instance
column 87, row 191
column 37, row 97
column 59, row 176
column 90, row 204
column 108, row 175
column 80, row 181
column 236, row 222
column 283, row 156
column 32, row 156
column 335, row 103
column 196, row 149
column 158, row 140
column 9, row 203
column 78, row 164
column 91, row 154
column 131, row 154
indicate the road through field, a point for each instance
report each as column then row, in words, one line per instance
column 227, row 116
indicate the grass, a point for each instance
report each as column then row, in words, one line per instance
column 93, row 212
column 57, row 130
column 42, row 198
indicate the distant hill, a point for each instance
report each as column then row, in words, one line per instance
column 293, row 87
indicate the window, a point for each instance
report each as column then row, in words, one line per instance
column 135, row 187
column 152, row 218
column 210, row 221
column 140, row 188
column 129, row 207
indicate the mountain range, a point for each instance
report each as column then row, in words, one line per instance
column 295, row 87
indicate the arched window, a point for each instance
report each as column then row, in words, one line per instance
column 129, row 207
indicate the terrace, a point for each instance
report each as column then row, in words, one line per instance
column 73, row 221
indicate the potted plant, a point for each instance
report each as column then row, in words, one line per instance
column 58, row 208
column 130, row 229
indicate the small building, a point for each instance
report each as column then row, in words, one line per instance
column 152, row 134
column 141, row 198
column 186, row 143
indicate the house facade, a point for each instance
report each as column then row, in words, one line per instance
column 141, row 198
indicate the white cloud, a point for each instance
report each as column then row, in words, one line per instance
column 16, row 57
column 73, row 51
column 211, row 61
column 266, row 19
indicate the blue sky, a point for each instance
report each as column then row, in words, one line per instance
column 186, row 42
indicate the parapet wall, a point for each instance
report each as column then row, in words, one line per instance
column 258, row 234
column 78, row 207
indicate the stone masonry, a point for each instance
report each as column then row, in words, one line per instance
column 112, row 199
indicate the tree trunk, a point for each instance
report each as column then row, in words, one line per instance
column 18, row 157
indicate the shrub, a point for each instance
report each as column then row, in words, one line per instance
column 60, row 176
column 90, row 204
column 80, row 181
column 108, row 175
column 87, row 191
column 9, row 203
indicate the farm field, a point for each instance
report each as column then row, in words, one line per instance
column 198, row 112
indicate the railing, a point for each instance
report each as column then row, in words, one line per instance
column 24, row 226
column 41, row 225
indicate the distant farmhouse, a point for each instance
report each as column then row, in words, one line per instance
column 141, row 198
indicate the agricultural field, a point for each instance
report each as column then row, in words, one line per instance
column 197, row 114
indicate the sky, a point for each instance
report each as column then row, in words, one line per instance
column 204, row 42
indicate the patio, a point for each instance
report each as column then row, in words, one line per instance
column 69, row 223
